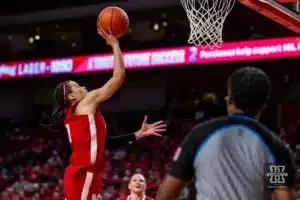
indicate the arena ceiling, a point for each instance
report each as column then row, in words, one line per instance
column 12, row 7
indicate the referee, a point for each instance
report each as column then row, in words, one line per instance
column 234, row 157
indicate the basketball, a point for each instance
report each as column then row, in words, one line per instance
column 115, row 19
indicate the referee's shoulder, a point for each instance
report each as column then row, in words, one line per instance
column 271, row 134
column 272, row 139
column 209, row 126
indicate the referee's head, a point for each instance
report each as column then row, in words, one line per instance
column 249, row 89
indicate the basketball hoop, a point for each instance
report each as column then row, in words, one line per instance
column 206, row 19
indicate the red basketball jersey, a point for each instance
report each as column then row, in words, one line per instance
column 128, row 198
column 87, row 137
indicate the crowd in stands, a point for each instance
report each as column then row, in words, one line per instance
column 32, row 164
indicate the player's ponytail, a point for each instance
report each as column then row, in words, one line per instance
column 61, row 93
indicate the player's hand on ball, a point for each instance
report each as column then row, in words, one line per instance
column 155, row 129
column 108, row 37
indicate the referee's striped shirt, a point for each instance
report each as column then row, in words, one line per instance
column 227, row 157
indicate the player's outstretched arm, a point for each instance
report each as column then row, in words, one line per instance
column 146, row 130
column 102, row 94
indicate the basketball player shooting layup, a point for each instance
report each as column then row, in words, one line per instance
column 230, row 157
column 87, row 129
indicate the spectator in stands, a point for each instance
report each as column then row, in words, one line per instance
column 126, row 176
column 23, row 184
column 153, row 180
column 55, row 160
column 137, row 187
column 36, row 196
column 56, row 196
column 119, row 154
column 4, row 195
column 21, row 194
column 116, row 177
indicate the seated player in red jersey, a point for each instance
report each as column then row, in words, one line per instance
column 137, row 187
column 86, row 128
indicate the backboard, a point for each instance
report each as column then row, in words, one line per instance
column 284, row 12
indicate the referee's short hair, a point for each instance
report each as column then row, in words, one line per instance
column 250, row 89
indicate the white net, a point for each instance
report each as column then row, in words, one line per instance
column 206, row 19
